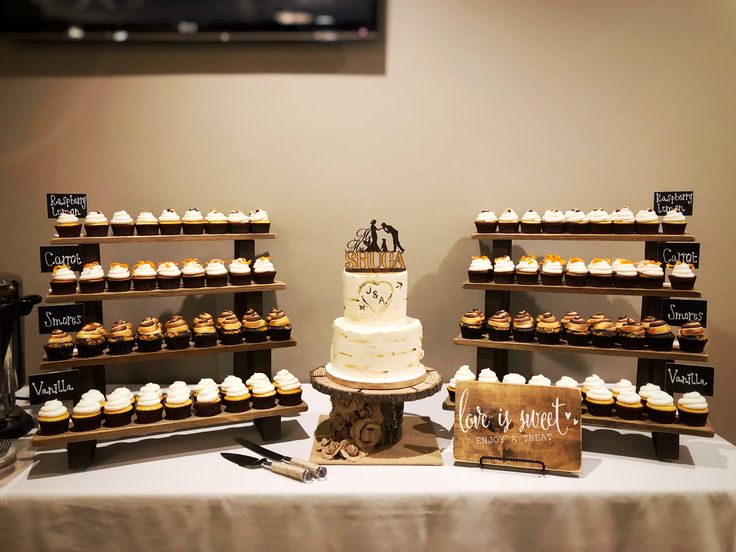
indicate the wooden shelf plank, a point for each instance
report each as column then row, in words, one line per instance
column 587, row 290
column 590, row 350
column 584, row 237
column 118, row 295
column 164, row 354
column 164, row 426
column 56, row 240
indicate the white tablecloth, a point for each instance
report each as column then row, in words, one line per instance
column 176, row 492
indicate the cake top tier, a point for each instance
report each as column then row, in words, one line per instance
column 375, row 249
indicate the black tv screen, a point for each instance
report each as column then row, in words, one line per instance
column 189, row 20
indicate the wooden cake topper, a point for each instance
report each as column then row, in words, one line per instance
column 368, row 252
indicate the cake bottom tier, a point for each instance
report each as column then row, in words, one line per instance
column 377, row 354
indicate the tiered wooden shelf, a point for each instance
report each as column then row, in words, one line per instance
column 494, row 354
column 159, row 238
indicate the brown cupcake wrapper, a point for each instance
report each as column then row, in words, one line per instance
column 69, row 231
column 96, row 230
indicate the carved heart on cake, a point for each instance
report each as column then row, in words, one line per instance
column 377, row 295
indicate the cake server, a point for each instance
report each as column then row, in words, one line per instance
column 250, row 462
column 316, row 469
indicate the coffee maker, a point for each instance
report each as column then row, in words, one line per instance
column 14, row 422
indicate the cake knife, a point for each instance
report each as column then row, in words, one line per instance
column 250, row 462
column 316, row 469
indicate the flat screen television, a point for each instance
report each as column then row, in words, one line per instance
column 189, row 20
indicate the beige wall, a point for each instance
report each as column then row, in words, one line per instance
column 468, row 105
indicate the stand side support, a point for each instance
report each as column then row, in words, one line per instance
column 80, row 454
column 269, row 428
column 666, row 445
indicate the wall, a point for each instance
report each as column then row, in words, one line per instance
column 467, row 105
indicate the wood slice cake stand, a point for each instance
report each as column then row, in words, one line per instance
column 391, row 401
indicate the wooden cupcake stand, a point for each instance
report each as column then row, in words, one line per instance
column 248, row 358
column 650, row 364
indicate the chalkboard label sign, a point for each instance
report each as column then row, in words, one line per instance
column 63, row 317
column 678, row 311
column 66, row 203
column 53, row 255
column 670, row 253
column 61, row 385
column 684, row 378
column 667, row 201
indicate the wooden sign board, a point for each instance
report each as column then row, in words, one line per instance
column 61, row 385
column 516, row 424
column 670, row 253
column 684, row 378
column 667, row 201
column 677, row 312
column 69, row 318
column 53, row 255
column 66, row 203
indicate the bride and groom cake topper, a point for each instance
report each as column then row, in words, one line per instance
column 365, row 253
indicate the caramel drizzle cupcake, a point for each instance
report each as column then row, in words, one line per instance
column 692, row 329
column 501, row 320
column 623, row 321
column 253, row 321
column 523, row 320
column 547, row 321
column 597, row 317
column 90, row 331
column 59, row 337
column 149, row 327
column 223, row 315
column 473, row 318
column 603, row 326
column 121, row 329
column 203, row 326
column 577, row 325
column 633, row 329
column 176, row 325
column 647, row 321
column 203, row 317
column 231, row 323
column 568, row 316
column 277, row 318
column 658, row 327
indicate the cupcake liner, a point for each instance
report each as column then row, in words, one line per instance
column 508, row 227
column 578, row 339
column 498, row 334
column 144, row 284
column 624, row 227
column 88, row 350
column 149, row 345
column 86, row 423
column 178, row 412
column 167, row 282
column 120, row 346
column 551, row 279
column 289, row 399
column 123, row 229
column 92, row 286
column 451, row 393
column 631, row 412
column 118, row 419
column 193, row 281
column 238, row 227
column 553, row 227
column 59, row 287
column 632, row 343
column 682, row 283
column 691, row 344
column 503, row 277
column 651, row 283
column 193, row 227
column 205, row 340
column 600, row 227
column 531, row 227
column 662, row 416
column 55, row 427
column 69, row 230
column 598, row 409
column 279, row 333
column 527, row 278
column 231, row 337
column 149, row 415
column 647, row 227
column 480, row 276
column 576, row 280
column 208, row 409
column 693, row 419
column 673, row 227
column 260, row 227
column 264, row 402
column 178, row 341
column 252, row 336
column 605, row 341
column 264, row 277
column 96, row 230
column 215, row 227
column 470, row 333
column 241, row 279
column 170, row 228
column 577, row 228
column 116, row 286
column 596, row 280
column 59, row 352
column 548, row 338
column 146, row 229
column 218, row 280
column 660, row 342
column 485, row 227
column 625, row 281
column 523, row 335
column 236, row 406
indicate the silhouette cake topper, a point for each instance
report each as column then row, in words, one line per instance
column 370, row 252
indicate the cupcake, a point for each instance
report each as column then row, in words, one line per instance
column 523, row 327
column 215, row 222
column 553, row 222
column 255, row 378
column 599, row 401
column 59, row 346
column 576, row 272
column 90, row 341
column 508, row 222
column 463, row 374
column 118, row 411
column 621, row 386
column 144, row 276
column 646, row 391
column 255, row 329
column 548, row 329
column 692, row 338
column 661, row 408
column 146, row 224
column 152, row 388
column 486, row 221
column 149, row 408
column 123, row 392
column 651, row 275
column 177, row 334
column 239, row 272
column 281, row 374
column 540, row 381
column 632, row 336
column 192, row 273
column 514, row 378
column 600, row 221
column 480, row 270
column 118, row 277
column 527, row 271
column 289, row 391
column 178, row 403
column 597, row 317
column 594, row 380
column 95, row 395
column 682, row 276
column 53, row 418
column 600, row 273
column 168, row 275
column 216, row 273
column 222, row 316
column 471, row 324
column 647, row 321
column 647, row 222
column 192, row 222
column 203, row 331
column 499, row 326
column 121, row 339
column 122, row 224
column 68, row 225
column 232, row 380
column 264, row 395
column 203, row 384
column 503, row 270
column 259, row 221
column 693, row 409
column 625, row 273
column 674, row 222
column 577, row 332
column 169, row 222
column 96, row 224
column 92, row 278
column 603, row 334
column 622, row 321
column 150, row 336
column 87, row 414
column 487, row 376
column 63, row 280
column 565, row 320
column 567, row 382
column 231, row 330
column 264, row 271
column 237, row 398
column 551, row 270
column 208, row 401
column 238, row 222
column 629, row 405
column 576, row 222
column 659, row 336
column 279, row 325
column 531, row 222
column 623, row 221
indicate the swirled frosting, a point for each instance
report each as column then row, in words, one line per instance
column 176, row 325
column 121, row 329
column 602, row 326
column 67, row 219
column 624, row 267
column 151, row 388
column 289, row 383
column 547, row 321
column 259, row 215
column 599, row 215
column 208, row 393
column 690, row 329
column 683, row 270
column 89, row 331
column 509, row 215
column 647, row 216
column 144, row 269
column 146, row 217
column 500, row 320
column 230, row 323
column 597, row 317
column 237, row 390
column 86, row 406
column 594, row 380
column 117, row 403
column 95, row 218
column 169, row 269
column 203, row 326
column 239, row 266
column 503, row 264
column 62, row 273
column 651, row 268
column 53, row 409
column 633, row 330
column 256, row 377
column 576, row 265
column 192, row 215
column 263, row 264
column 575, row 216
column 486, row 216
column 216, row 267
column 599, row 393
column 149, row 327
column 674, row 216
column 95, row 395
column 659, row 327
column 513, row 377
column 215, row 216
column 527, row 264
column 59, row 336
column 600, row 267
column 523, row 320
column 169, row 216
column 263, row 387
column 553, row 264
column 540, row 380
column 623, row 385
column 118, row 271
column 237, row 217
column 191, row 267
column 693, row 401
column 149, row 398
column 462, row 374
column 553, row 215
column 487, row 376
column 531, row 216
column 660, row 398
column 121, row 217
column 566, row 381
column 569, row 315
column 480, row 264
column 577, row 326
column 628, row 397
column 177, row 393
column 229, row 381
column 253, row 321
column 92, row 271
column 623, row 215
column 277, row 319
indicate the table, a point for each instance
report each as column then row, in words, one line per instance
column 176, row 492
